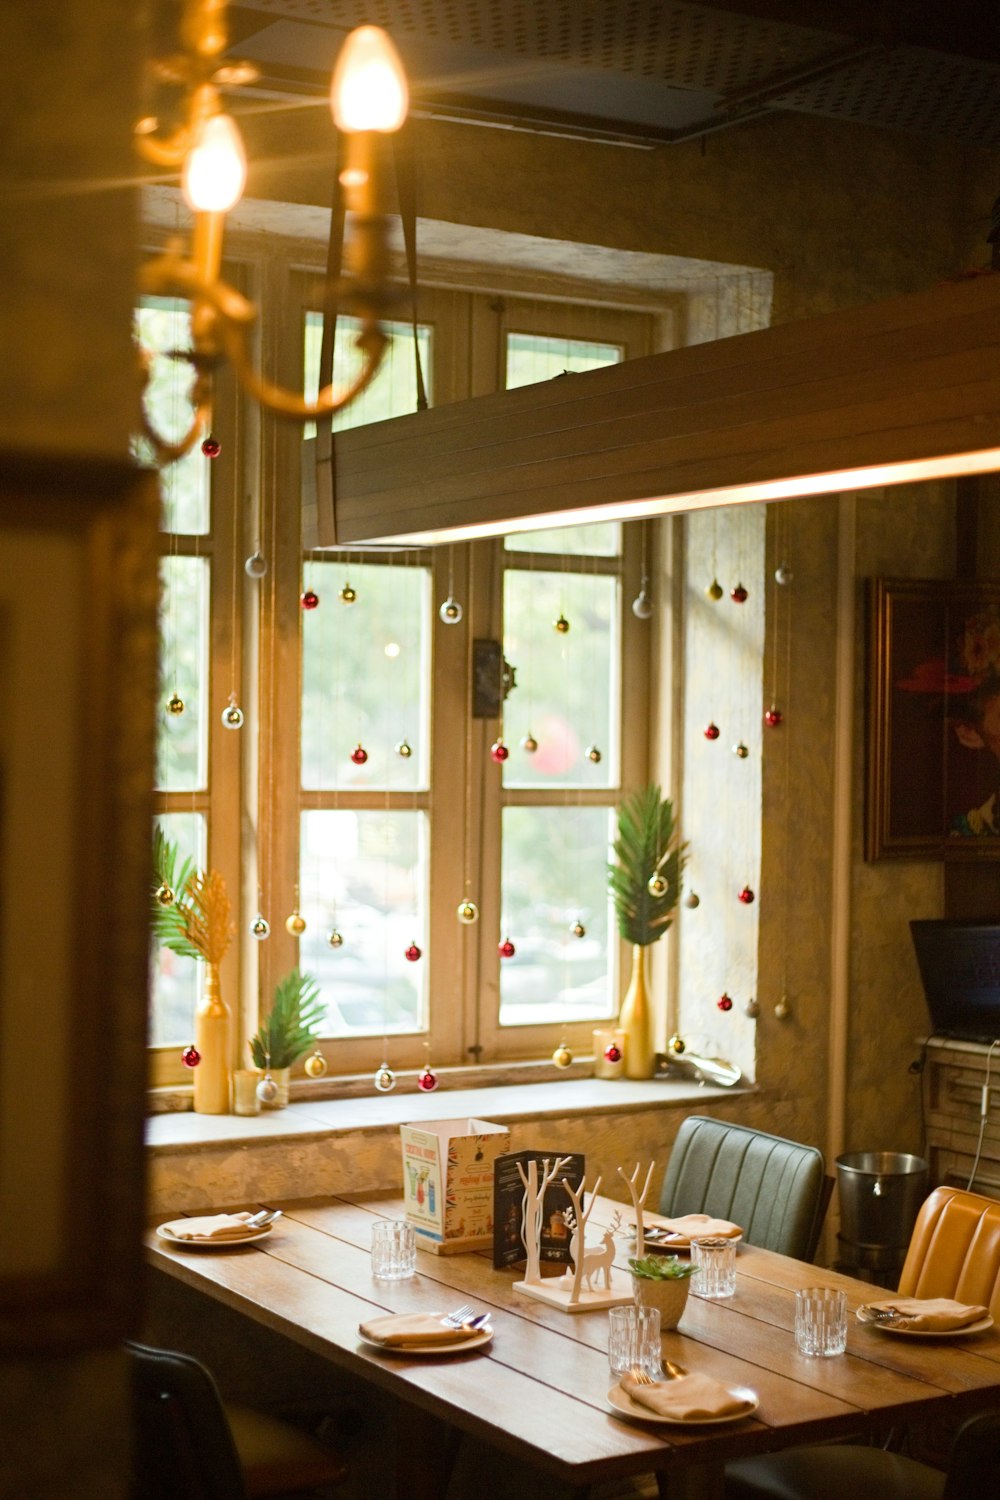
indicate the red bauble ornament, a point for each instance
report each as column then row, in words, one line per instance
column 499, row 751
column 712, row 732
column 190, row 1057
column 359, row 755
column 309, row 599
column 724, row 1002
column 773, row 716
column 427, row 1081
column 506, row 949
column 612, row 1054
column 747, row 896
column 738, row 594
column 412, row 953
column 211, row 447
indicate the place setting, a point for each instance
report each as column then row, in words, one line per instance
column 219, row 1231
column 674, row 1236
column 660, row 1391
column 925, row 1317
column 394, row 1258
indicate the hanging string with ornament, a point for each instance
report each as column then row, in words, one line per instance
column 783, row 576
column 450, row 612
column 385, row 1078
column 642, row 604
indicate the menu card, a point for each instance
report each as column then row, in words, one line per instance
column 508, row 1192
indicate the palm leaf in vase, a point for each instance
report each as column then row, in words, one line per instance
column 647, row 845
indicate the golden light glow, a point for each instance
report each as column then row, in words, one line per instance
column 215, row 169
column 369, row 91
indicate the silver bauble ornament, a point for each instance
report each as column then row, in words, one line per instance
column 385, row 1079
column 450, row 611
column 255, row 565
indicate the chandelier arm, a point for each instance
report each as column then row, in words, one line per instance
column 284, row 403
column 166, row 451
column 169, row 151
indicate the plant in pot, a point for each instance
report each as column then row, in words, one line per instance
column 662, row 1281
column 645, row 883
column 289, row 1030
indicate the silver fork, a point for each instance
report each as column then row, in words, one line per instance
column 887, row 1315
column 640, row 1377
column 458, row 1317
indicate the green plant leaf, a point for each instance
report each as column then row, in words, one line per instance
column 292, row 1024
column 647, row 845
column 661, row 1268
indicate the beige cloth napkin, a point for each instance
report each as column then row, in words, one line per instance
column 209, row 1227
column 691, row 1398
column 413, row 1331
column 701, row 1227
column 935, row 1314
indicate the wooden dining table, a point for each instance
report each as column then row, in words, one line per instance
column 538, row 1391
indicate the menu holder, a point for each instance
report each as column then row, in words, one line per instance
column 509, row 1248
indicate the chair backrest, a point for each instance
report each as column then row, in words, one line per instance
column 182, row 1442
column 954, row 1249
column 975, row 1459
column 774, row 1189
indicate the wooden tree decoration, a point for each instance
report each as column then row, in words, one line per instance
column 533, row 1210
column 578, row 1245
column 638, row 1199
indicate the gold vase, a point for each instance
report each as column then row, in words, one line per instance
column 636, row 1020
column 212, row 1029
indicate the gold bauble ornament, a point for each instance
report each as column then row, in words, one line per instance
column 578, row 930
column 175, row 705
column 676, row 1045
column 315, row 1065
column 468, row 912
column 714, row 590
column 335, row 939
column 347, row 594
column 295, row 925
column 165, row 896
column 657, row 885
column 562, row 1056
column 561, row 625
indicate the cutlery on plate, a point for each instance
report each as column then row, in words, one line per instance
column 640, row 1377
column 263, row 1217
column 672, row 1370
column 458, row 1318
column 885, row 1314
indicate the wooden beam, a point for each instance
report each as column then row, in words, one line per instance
column 903, row 389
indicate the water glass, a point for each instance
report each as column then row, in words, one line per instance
column 634, row 1339
column 716, row 1262
column 820, row 1321
column 394, row 1250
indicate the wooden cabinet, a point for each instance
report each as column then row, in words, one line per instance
column 956, row 1074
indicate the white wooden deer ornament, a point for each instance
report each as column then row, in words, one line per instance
column 575, row 1291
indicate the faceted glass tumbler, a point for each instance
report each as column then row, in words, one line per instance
column 634, row 1339
column 394, row 1250
column 820, row 1321
column 716, row 1263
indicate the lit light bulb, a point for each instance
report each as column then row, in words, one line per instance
column 368, row 90
column 215, row 169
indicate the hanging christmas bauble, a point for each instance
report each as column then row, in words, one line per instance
column 562, row 624
column 232, row 714
column 783, row 1010
column 175, row 704
column 260, row 927
column 773, row 716
column 412, row 953
column 751, row 1009
column 783, row 575
column 295, row 925
column 529, row 744
column 738, row 594
column 724, row 1002
column 593, row 755
column 562, row 1056
column 676, row 1045
column 211, row 447
column 712, row 732
column 334, row 939
column 427, row 1081
column 578, row 930
column 612, row 1054
column 499, row 752
column 741, row 751
column 309, row 599
column 692, row 899
column 468, row 912
column 642, row 605
column 255, row 565
column 714, row 590
column 450, row 611
column 506, row 949
column 267, row 1089
column 164, row 895
column 347, row 594
column 404, row 749
column 315, row 1064
column 190, row 1057
column 385, row 1079
column 657, row 885
column 359, row 754
column 746, row 895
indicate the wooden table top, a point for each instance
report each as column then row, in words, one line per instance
column 539, row 1389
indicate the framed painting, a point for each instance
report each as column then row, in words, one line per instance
column 933, row 732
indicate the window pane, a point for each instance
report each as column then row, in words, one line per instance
column 554, row 861
column 392, row 392
column 365, row 677
column 567, row 685
column 604, row 539
column 164, row 324
column 364, row 875
column 182, row 738
column 176, row 981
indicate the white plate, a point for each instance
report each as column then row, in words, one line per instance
column 636, row 1412
column 163, row 1232
column 981, row 1324
column 421, row 1351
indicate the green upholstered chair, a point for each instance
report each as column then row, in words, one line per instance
column 831, row 1471
column 776, row 1190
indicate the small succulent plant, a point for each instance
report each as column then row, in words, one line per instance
column 661, row 1268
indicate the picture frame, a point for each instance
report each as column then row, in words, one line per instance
column 933, row 719
column 78, row 600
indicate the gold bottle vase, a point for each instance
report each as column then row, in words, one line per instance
column 635, row 1019
column 212, row 1038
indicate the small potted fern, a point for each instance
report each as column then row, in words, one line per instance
column 289, row 1030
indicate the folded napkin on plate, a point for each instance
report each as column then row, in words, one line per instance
column 690, row 1398
column 209, row 1227
column 413, row 1331
column 936, row 1314
column 701, row 1227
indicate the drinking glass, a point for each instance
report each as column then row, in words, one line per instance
column 716, row 1262
column 634, row 1339
column 820, row 1321
column 394, row 1250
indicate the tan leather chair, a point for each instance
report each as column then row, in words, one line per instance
column 954, row 1250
